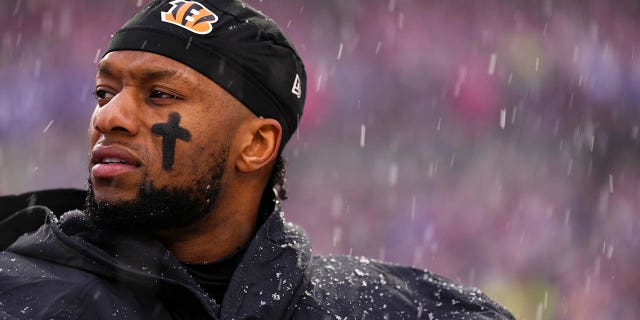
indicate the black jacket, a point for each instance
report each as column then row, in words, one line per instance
column 65, row 270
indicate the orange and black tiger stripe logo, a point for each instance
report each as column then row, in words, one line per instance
column 190, row 15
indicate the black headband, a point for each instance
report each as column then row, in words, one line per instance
column 229, row 42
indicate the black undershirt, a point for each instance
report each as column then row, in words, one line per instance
column 214, row 277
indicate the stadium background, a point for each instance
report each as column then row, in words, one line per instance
column 494, row 142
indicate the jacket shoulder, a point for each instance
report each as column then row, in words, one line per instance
column 24, row 213
column 58, row 200
column 347, row 286
column 36, row 288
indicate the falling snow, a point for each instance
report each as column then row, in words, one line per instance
column 463, row 138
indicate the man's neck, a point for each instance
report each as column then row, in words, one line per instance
column 213, row 238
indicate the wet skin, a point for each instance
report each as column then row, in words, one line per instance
column 137, row 90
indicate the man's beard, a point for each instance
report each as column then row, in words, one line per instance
column 162, row 208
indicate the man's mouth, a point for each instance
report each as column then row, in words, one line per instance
column 111, row 161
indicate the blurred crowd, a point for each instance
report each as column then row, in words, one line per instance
column 494, row 142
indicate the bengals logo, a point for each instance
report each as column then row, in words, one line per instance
column 190, row 15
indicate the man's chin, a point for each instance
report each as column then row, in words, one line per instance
column 111, row 192
column 113, row 197
column 150, row 208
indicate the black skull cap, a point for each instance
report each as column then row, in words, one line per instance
column 231, row 43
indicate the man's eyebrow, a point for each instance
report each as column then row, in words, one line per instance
column 104, row 70
column 157, row 74
column 147, row 75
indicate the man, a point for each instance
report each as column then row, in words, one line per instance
column 195, row 102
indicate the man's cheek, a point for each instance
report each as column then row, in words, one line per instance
column 170, row 133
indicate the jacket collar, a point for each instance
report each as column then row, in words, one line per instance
column 266, row 284
column 270, row 277
column 126, row 258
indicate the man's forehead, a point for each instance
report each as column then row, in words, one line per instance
column 143, row 66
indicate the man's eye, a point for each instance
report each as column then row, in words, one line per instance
column 157, row 94
column 103, row 94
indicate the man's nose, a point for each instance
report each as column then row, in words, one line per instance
column 118, row 115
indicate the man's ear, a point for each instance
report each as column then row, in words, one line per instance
column 261, row 146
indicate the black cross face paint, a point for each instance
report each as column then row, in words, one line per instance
column 170, row 132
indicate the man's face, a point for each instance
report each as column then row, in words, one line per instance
column 159, row 140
